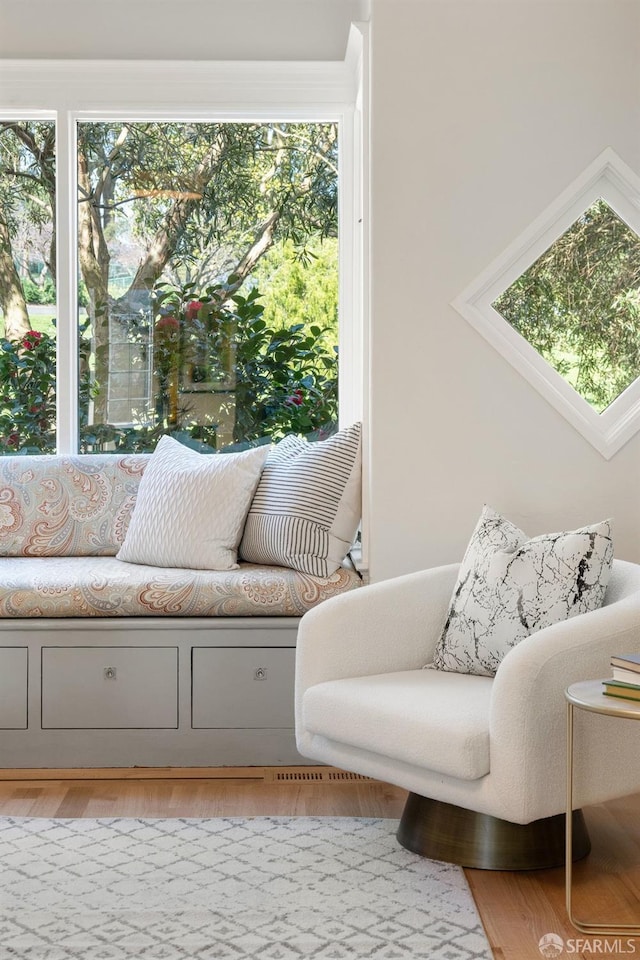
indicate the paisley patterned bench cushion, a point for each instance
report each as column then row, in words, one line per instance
column 107, row 587
column 59, row 506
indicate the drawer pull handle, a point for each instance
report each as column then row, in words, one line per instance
column 110, row 673
column 260, row 673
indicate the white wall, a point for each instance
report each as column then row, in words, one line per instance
column 178, row 29
column 482, row 113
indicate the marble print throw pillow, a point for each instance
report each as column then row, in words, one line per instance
column 510, row 586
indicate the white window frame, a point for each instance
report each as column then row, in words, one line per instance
column 73, row 90
column 609, row 178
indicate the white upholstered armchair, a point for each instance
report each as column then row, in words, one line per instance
column 484, row 758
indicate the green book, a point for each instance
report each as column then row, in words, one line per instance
column 626, row 691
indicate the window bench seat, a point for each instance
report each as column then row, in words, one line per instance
column 108, row 663
column 108, row 587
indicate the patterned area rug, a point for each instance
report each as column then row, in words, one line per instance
column 265, row 888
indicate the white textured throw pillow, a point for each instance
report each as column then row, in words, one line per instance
column 306, row 509
column 191, row 507
column 509, row 587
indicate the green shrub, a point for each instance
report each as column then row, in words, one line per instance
column 283, row 380
column 45, row 293
column 280, row 380
column 39, row 293
column 28, row 398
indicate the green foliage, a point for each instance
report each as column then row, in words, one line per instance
column 300, row 289
column 28, row 393
column 272, row 380
column 579, row 305
column 45, row 292
column 286, row 380
column 27, row 173
column 227, row 178
column 39, row 293
column 28, row 398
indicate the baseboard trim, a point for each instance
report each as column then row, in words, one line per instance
column 305, row 773
column 135, row 773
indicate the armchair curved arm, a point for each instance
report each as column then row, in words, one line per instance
column 528, row 708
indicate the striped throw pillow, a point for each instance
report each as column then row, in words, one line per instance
column 306, row 509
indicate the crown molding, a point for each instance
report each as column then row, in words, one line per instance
column 200, row 85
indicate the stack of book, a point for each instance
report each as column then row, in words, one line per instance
column 625, row 682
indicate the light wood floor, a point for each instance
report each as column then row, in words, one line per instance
column 516, row 908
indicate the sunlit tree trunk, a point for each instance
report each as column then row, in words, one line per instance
column 93, row 256
column 12, row 302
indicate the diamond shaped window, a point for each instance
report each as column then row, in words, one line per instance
column 578, row 305
column 562, row 304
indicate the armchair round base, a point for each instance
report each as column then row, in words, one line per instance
column 442, row 831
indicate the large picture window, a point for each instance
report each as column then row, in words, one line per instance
column 182, row 258
column 208, row 264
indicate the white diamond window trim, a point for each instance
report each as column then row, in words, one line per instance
column 609, row 179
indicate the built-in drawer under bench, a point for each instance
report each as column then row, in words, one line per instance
column 147, row 691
